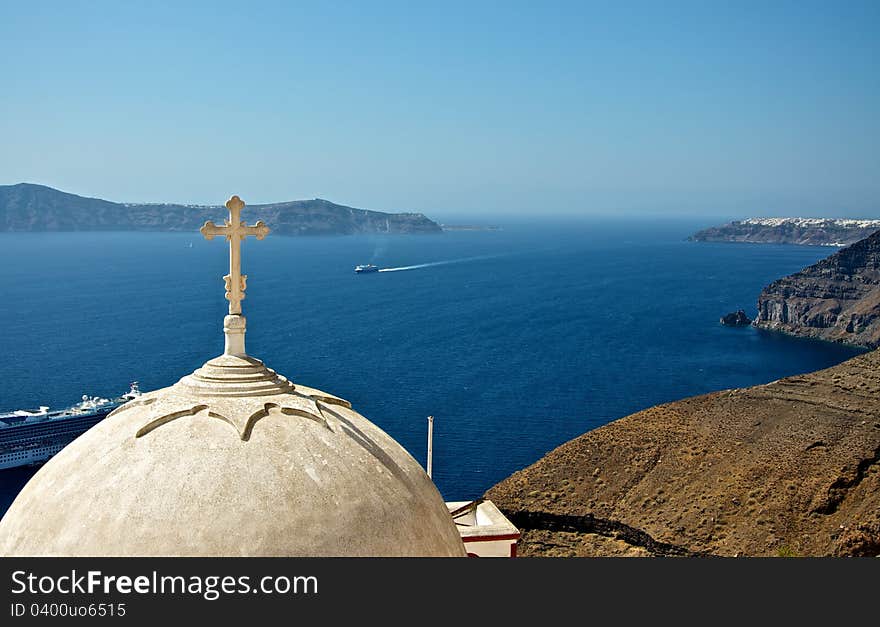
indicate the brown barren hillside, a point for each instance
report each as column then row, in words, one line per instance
column 787, row 468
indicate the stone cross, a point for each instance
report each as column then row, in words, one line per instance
column 234, row 230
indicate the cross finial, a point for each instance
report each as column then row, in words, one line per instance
column 235, row 204
column 235, row 231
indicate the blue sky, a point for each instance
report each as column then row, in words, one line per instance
column 687, row 107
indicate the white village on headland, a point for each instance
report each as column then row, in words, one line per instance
column 236, row 460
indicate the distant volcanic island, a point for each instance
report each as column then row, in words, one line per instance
column 29, row 207
column 803, row 231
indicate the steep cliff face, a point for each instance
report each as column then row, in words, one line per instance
column 787, row 468
column 27, row 207
column 837, row 299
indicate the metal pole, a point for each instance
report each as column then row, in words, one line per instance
column 430, row 443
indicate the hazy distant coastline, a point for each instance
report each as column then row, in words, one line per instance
column 469, row 227
column 29, row 207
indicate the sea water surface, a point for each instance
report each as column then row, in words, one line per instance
column 515, row 340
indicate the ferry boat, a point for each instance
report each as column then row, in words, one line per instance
column 32, row 436
column 366, row 268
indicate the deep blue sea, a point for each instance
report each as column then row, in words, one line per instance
column 531, row 335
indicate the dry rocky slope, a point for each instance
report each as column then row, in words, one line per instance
column 28, row 207
column 836, row 299
column 787, row 468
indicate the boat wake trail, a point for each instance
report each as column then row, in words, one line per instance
column 437, row 263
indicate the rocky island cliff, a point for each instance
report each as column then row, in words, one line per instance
column 836, row 299
column 28, row 207
column 803, row 231
column 783, row 469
